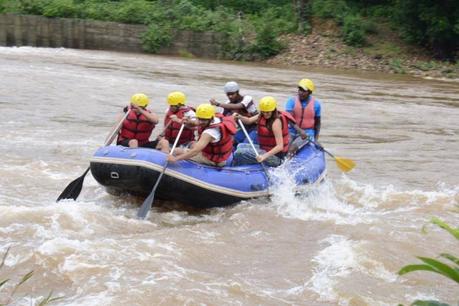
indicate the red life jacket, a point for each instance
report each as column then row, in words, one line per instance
column 136, row 126
column 174, row 127
column 266, row 138
column 304, row 116
column 220, row 151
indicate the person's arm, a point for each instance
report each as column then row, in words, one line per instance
column 189, row 119
column 246, row 120
column 317, row 115
column 300, row 131
column 152, row 117
column 316, row 127
column 277, row 131
column 198, row 147
column 290, row 105
column 230, row 106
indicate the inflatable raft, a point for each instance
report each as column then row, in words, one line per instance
column 135, row 171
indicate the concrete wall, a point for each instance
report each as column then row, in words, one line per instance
column 38, row 31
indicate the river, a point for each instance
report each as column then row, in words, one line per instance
column 341, row 245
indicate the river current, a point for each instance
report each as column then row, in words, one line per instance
column 340, row 245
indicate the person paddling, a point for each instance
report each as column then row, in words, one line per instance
column 306, row 110
column 273, row 136
column 177, row 114
column 237, row 103
column 215, row 141
column 137, row 127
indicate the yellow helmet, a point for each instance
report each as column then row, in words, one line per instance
column 267, row 104
column 140, row 99
column 176, row 98
column 307, row 84
column 205, row 111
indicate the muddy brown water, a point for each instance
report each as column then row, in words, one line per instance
column 340, row 245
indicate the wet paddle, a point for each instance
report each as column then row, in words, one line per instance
column 72, row 191
column 253, row 147
column 146, row 205
column 345, row 164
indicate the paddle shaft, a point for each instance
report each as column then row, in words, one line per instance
column 247, row 136
column 146, row 206
column 253, row 147
column 112, row 136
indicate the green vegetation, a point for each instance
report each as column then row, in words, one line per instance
column 250, row 29
column 10, row 295
column 449, row 270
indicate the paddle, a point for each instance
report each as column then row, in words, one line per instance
column 345, row 164
column 146, row 205
column 72, row 191
column 253, row 147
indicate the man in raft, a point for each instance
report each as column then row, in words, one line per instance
column 215, row 141
column 177, row 114
column 240, row 104
column 139, row 124
column 306, row 109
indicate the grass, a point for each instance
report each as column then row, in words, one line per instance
column 10, row 296
column 383, row 49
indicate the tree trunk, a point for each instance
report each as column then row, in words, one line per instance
column 300, row 8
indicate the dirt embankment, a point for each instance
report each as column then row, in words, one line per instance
column 385, row 52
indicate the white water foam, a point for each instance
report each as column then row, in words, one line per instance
column 345, row 201
column 337, row 261
column 317, row 202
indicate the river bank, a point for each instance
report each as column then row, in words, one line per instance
column 386, row 52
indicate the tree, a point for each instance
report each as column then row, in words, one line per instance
column 300, row 7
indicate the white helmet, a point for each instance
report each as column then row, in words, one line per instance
column 231, row 87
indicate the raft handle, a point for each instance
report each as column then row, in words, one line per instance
column 114, row 175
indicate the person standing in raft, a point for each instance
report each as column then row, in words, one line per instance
column 137, row 127
column 306, row 110
column 177, row 114
column 215, row 141
column 273, row 136
column 243, row 105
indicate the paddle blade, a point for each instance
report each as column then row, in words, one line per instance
column 146, row 205
column 345, row 164
column 72, row 191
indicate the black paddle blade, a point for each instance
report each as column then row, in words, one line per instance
column 72, row 191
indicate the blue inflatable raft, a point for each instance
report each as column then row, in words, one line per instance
column 135, row 171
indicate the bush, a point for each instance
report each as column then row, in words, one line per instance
column 156, row 37
column 135, row 11
column 353, row 31
column 98, row 10
column 60, row 8
column 266, row 43
column 431, row 24
column 336, row 9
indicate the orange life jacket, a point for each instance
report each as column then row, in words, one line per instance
column 266, row 138
column 220, row 151
column 304, row 116
column 173, row 128
column 136, row 126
